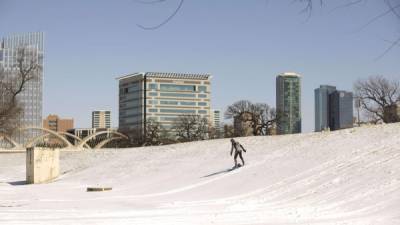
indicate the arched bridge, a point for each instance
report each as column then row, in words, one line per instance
column 81, row 143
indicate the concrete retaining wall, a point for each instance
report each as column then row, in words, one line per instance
column 42, row 165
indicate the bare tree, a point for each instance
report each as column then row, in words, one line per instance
column 135, row 137
column 268, row 120
column 259, row 116
column 379, row 97
column 153, row 132
column 191, row 127
column 229, row 131
column 242, row 113
column 13, row 82
column 215, row 132
column 165, row 137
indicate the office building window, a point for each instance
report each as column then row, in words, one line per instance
column 202, row 103
column 177, row 111
column 178, row 95
column 202, row 111
column 175, row 87
column 169, row 102
column 202, row 88
column 188, row 103
column 202, row 96
column 153, row 86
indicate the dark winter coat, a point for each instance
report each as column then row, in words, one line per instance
column 238, row 147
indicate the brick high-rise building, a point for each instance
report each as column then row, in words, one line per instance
column 55, row 123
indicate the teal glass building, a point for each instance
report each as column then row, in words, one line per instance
column 288, row 103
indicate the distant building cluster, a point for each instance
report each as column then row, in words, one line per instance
column 163, row 97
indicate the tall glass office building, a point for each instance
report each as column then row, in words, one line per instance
column 31, row 97
column 340, row 110
column 322, row 106
column 161, row 97
column 288, row 103
column 333, row 108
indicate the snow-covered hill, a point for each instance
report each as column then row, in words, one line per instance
column 346, row 177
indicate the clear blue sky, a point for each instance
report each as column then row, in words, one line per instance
column 244, row 44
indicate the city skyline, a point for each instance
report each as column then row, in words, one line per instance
column 246, row 45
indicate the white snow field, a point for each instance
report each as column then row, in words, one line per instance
column 345, row 177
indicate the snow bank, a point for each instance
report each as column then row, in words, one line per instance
column 345, row 177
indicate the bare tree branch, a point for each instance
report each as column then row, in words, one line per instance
column 166, row 20
column 395, row 43
column 352, row 3
column 392, row 8
column 379, row 16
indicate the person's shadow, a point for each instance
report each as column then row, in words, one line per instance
column 220, row 172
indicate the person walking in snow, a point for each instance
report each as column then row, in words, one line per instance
column 238, row 151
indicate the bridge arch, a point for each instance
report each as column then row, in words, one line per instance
column 86, row 139
column 74, row 137
column 63, row 139
column 10, row 140
column 33, row 140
